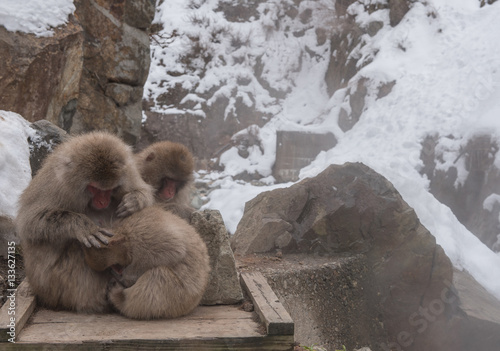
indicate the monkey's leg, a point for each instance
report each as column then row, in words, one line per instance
column 64, row 281
column 161, row 292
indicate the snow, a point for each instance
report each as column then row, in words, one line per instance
column 35, row 16
column 490, row 201
column 447, row 82
column 445, row 59
column 15, row 171
column 195, row 30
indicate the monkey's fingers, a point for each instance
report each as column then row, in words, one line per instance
column 122, row 211
column 106, row 232
column 86, row 242
column 94, row 242
column 128, row 205
column 100, row 237
column 86, row 239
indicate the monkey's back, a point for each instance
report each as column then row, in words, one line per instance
column 171, row 264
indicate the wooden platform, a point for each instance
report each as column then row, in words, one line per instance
column 208, row 328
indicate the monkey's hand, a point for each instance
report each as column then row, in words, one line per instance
column 115, row 293
column 131, row 203
column 95, row 238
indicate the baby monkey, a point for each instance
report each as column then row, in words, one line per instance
column 160, row 272
column 168, row 168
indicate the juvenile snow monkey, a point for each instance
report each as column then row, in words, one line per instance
column 168, row 168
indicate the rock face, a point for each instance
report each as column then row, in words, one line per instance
column 481, row 330
column 223, row 286
column 475, row 200
column 206, row 136
column 47, row 137
column 115, row 66
column 196, row 103
column 351, row 210
column 88, row 75
column 40, row 75
column 345, row 61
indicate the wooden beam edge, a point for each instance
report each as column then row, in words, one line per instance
column 15, row 312
column 261, row 343
column 267, row 305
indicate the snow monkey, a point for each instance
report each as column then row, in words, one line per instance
column 168, row 167
column 169, row 265
column 86, row 184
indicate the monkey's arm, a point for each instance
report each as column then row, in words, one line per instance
column 59, row 226
column 180, row 210
column 135, row 194
column 134, row 201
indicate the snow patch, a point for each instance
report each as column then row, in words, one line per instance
column 35, row 16
column 15, row 173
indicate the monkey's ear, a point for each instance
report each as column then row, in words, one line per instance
column 151, row 157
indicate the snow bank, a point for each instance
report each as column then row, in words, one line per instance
column 15, row 170
column 35, row 16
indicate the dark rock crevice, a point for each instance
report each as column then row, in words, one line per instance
column 467, row 198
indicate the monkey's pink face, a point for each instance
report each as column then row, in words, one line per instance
column 100, row 198
column 168, row 189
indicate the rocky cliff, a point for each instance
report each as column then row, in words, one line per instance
column 88, row 75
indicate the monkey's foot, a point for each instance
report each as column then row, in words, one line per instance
column 115, row 293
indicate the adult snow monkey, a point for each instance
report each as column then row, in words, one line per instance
column 86, row 184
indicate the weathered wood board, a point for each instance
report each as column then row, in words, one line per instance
column 267, row 305
column 16, row 311
column 223, row 327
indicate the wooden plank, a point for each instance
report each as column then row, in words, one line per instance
column 267, row 305
column 262, row 343
column 16, row 311
column 205, row 322
column 43, row 316
column 207, row 328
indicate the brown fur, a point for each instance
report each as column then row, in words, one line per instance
column 55, row 218
column 171, row 160
column 115, row 253
column 169, row 270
